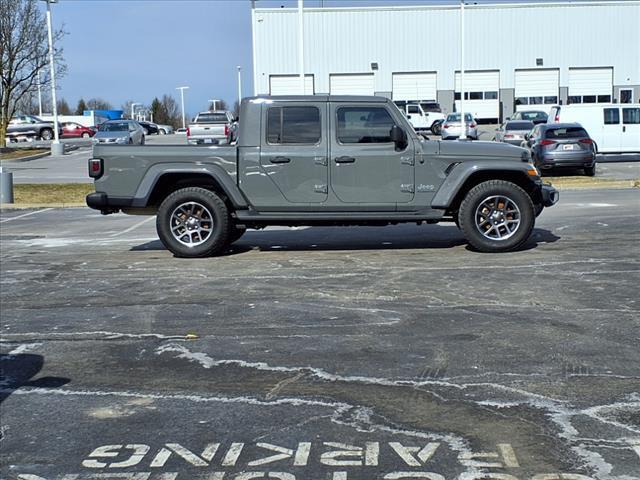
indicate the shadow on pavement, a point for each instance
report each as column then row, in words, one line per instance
column 364, row 238
column 18, row 370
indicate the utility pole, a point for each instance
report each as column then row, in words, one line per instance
column 182, row 89
column 56, row 147
column 239, row 85
column 301, row 44
column 39, row 95
column 463, row 123
column 133, row 107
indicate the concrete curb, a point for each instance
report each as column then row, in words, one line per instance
column 27, row 206
column 25, row 159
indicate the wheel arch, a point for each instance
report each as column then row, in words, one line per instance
column 451, row 197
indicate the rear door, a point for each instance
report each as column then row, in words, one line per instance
column 365, row 167
column 610, row 139
column 630, row 141
column 294, row 153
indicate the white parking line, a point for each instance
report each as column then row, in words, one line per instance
column 133, row 227
column 25, row 215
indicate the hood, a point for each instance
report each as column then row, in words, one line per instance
column 472, row 150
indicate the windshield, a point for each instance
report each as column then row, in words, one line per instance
column 212, row 117
column 431, row 107
column 114, row 127
column 455, row 117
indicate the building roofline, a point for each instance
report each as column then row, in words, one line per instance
column 550, row 4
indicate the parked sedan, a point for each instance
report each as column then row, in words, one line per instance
column 149, row 128
column 120, row 132
column 535, row 116
column 513, row 132
column 164, row 129
column 554, row 145
column 75, row 130
column 452, row 126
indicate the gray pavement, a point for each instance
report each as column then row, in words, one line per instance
column 322, row 353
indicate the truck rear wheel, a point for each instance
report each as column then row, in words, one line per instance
column 193, row 222
column 496, row 216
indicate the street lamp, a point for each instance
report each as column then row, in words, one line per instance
column 301, row 43
column 215, row 103
column 463, row 123
column 182, row 89
column 56, row 147
column 133, row 107
column 239, row 85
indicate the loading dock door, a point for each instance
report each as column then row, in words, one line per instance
column 290, row 85
column 351, row 84
column 481, row 94
column 414, row 86
column 590, row 85
column 536, row 89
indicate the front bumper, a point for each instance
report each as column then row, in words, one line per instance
column 549, row 195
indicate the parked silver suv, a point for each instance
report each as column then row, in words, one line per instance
column 452, row 126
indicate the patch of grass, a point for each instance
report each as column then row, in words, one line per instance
column 18, row 153
column 51, row 192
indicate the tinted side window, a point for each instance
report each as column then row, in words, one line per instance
column 364, row 125
column 631, row 116
column 414, row 109
column 611, row 116
column 293, row 125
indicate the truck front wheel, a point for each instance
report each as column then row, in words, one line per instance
column 193, row 222
column 496, row 216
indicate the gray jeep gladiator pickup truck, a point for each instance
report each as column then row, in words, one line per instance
column 321, row 160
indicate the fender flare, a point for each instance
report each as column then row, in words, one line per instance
column 217, row 173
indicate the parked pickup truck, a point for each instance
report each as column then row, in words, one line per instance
column 212, row 127
column 322, row 160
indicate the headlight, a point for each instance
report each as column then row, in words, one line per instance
column 122, row 140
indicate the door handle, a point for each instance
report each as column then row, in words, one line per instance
column 344, row 159
column 624, row 128
column 280, row 160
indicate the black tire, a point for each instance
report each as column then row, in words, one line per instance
column 215, row 210
column 130, row 141
column 142, row 140
column 475, row 215
column 46, row 134
column 236, row 232
column 162, row 132
column 590, row 171
column 436, row 128
column 85, row 135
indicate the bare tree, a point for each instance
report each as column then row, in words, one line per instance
column 24, row 51
column 171, row 112
column 98, row 104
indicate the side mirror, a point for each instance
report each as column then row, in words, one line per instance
column 526, row 136
column 398, row 136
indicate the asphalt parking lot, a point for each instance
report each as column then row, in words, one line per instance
column 358, row 353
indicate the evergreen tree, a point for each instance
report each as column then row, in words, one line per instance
column 81, row 107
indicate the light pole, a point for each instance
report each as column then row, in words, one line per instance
column 215, row 103
column 39, row 95
column 133, row 110
column 56, row 147
column 301, row 43
column 239, row 85
column 463, row 123
column 182, row 89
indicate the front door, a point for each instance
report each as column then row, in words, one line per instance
column 366, row 168
column 294, row 154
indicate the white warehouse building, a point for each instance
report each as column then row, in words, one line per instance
column 521, row 55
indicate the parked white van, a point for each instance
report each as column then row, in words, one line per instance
column 614, row 127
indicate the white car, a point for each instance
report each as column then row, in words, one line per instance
column 423, row 116
column 451, row 128
column 181, row 131
column 165, row 129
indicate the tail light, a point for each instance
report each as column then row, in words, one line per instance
column 226, row 130
column 557, row 119
column 95, row 167
column 547, row 142
column 473, row 125
column 508, row 135
column 588, row 141
column 188, row 132
column 445, row 126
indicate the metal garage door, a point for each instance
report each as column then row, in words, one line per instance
column 351, row 84
column 414, row 86
column 290, row 85
column 590, row 85
column 481, row 94
column 536, row 87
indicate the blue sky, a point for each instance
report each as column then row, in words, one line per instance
column 135, row 50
